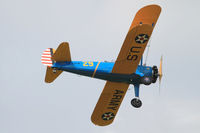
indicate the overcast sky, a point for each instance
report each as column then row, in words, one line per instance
column 96, row 31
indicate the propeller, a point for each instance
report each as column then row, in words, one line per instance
column 160, row 74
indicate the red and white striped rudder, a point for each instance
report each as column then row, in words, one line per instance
column 46, row 57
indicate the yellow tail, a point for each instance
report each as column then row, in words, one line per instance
column 61, row 54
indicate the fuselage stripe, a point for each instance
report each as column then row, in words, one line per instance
column 96, row 69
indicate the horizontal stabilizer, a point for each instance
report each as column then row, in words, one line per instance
column 51, row 74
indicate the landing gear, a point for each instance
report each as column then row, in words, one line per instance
column 136, row 102
column 54, row 70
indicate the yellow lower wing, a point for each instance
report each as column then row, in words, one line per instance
column 109, row 103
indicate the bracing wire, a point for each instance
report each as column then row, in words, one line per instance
column 148, row 46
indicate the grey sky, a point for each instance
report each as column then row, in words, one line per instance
column 95, row 31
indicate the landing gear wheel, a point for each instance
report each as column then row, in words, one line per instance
column 54, row 70
column 137, row 103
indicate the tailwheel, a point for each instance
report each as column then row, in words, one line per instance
column 136, row 102
column 54, row 70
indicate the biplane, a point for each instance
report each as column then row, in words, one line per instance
column 126, row 70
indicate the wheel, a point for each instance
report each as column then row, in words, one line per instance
column 135, row 102
column 54, row 70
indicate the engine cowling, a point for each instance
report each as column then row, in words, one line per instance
column 154, row 74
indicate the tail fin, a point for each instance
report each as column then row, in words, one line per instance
column 62, row 53
column 50, row 56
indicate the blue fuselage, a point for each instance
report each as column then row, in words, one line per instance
column 103, row 70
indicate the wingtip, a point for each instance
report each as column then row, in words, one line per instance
column 154, row 6
column 146, row 15
column 101, row 123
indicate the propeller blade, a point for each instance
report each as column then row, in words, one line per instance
column 160, row 72
column 159, row 85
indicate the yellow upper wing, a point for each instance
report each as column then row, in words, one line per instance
column 126, row 63
column 136, row 39
column 132, row 49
